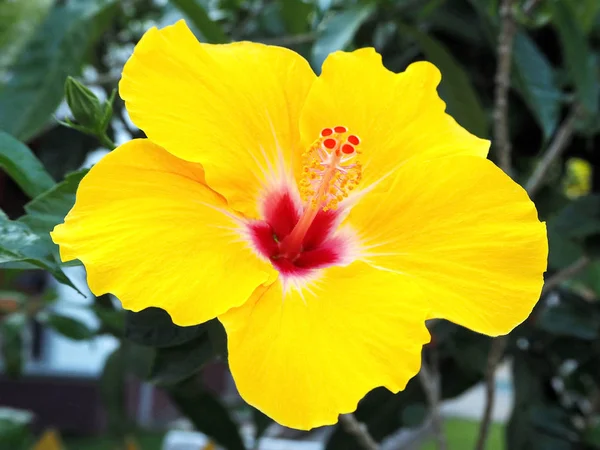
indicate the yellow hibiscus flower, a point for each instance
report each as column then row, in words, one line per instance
column 322, row 219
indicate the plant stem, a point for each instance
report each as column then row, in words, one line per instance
column 502, row 81
column 557, row 146
column 106, row 141
column 359, row 431
column 499, row 346
column 430, row 380
column 503, row 144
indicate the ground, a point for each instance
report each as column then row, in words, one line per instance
column 461, row 435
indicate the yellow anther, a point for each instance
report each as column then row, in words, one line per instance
column 330, row 168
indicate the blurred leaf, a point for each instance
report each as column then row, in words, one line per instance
column 140, row 360
column 577, row 56
column 414, row 415
column 19, row 244
column 534, row 77
column 587, row 12
column 112, row 320
column 23, row 166
column 337, row 33
column 67, row 326
column 528, row 391
column 58, row 49
column 14, row 429
column 578, row 219
column 175, row 364
column 18, row 21
column 112, row 389
column 568, row 319
column 295, row 15
column 218, row 337
column 12, row 328
column 592, row 435
column 49, row 209
column 153, row 327
column 261, row 422
column 206, row 413
column 555, row 422
column 456, row 88
column 211, row 30
column 562, row 250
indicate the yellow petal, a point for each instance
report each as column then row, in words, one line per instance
column 234, row 108
column 396, row 116
column 303, row 359
column 151, row 232
column 464, row 231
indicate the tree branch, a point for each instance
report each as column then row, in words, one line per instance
column 503, row 144
column 494, row 357
column 502, row 81
column 359, row 431
column 499, row 346
column 566, row 273
column 557, row 146
column 430, row 380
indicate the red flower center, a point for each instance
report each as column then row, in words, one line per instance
column 319, row 247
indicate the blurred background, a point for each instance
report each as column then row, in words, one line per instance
column 79, row 373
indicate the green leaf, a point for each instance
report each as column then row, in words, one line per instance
column 338, row 32
column 18, row 21
column 578, row 219
column 14, row 428
column 295, row 14
column 207, row 413
column 175, row 364
column 569, row 319
column 112, row 320
column 456, row 88
column 112, row 389
column 211, row 31
column 19, row 244
column 58, row 49
column 534, row 78
column 67, row 326
column 587, row 12
column 153, row 327
column 12, row 328
column 563, row 251
column 577, row 55
column 23, row 166
column 50, row 208
column 261, row 422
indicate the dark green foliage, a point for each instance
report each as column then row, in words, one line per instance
column 207, row 413
column 555, row 353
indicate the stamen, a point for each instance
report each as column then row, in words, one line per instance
column 330, row 171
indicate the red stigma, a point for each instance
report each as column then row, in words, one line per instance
column 326, row 132
column 347, row 149
column 340, row 129
column 330, row 143
column 354, row 140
